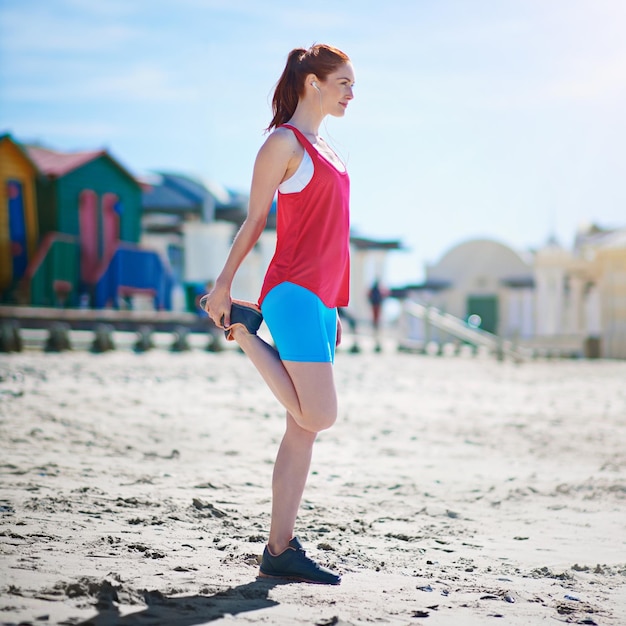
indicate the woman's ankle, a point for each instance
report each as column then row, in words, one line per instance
column 240, row 334
column 277, row 547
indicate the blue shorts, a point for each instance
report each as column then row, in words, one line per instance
column 303, row 328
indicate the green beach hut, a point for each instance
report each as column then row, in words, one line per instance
column 87, row 204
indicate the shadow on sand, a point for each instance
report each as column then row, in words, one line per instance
column 189, row 610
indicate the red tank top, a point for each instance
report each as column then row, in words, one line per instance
column 313, row 233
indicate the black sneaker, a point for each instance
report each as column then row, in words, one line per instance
column 294, row 564
column 245, row 314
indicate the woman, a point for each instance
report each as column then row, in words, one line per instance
column 308, row 278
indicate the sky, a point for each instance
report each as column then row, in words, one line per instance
column 498, row 119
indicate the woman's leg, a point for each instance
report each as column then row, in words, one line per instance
column 305, row 389
column 290, row 474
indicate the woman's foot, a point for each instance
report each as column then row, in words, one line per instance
column 294, row 564
column 246, row 315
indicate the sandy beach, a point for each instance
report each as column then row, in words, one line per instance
column 451, row 491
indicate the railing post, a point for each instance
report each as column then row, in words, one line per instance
column 144, row 339
column 103, row 338
column 58, row 338
column 499, row 348
column 10, row 339
column 427, row 329
column 181, row 343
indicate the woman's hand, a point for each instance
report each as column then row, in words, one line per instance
column 217, row 305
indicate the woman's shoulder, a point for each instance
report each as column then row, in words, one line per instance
column 282, row 140
column 283, row 134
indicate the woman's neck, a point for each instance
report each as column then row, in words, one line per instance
column 306, row 120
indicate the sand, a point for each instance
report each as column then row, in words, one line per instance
column 451, row 491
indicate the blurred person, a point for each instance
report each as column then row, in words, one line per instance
column 375, row 297
column 307, row 280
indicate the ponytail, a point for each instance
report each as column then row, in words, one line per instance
column 320, row 60
column 288, row 89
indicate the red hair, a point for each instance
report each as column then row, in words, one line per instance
column 320, row 60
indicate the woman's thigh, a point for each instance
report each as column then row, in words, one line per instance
column 315, row 387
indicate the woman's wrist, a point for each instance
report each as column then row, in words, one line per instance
column 222, row 284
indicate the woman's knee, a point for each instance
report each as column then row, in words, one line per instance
column 316, row 422
column 316, row 393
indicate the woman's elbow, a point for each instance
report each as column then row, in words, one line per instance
column 255, row 224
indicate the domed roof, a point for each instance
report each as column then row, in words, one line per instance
column 479, row 257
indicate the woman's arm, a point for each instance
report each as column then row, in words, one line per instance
column 339, row 330
column 273, row 164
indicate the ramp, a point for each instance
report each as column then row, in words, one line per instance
column 457, row 328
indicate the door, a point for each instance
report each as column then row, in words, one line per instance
column 110, row 225
column 486, row 307
column 17, row 228
column 89, row 244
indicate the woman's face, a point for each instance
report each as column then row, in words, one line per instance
column 336, row 90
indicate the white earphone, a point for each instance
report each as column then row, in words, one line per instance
column 314, row 85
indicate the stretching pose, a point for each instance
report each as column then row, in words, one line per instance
column 308, row 278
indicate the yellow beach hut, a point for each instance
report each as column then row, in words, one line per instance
column 18, row 214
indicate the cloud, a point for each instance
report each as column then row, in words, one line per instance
column 42, row 30
column 85, row 132
column 598, row 82
column 141, row 82
column 111, row 8
column 71, row 50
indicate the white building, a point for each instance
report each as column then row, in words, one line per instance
column 485, row 281
column 555, row 300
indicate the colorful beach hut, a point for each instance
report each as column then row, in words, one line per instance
column 18, row 214
column 89, row 209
